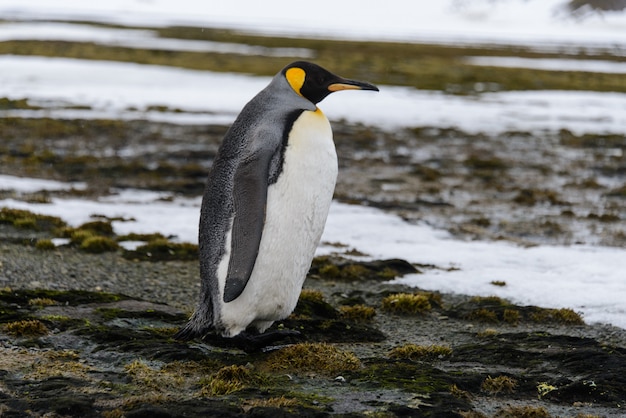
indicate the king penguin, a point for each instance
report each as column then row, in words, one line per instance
column 265, row 204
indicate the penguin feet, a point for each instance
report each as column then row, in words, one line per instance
column 247, row 341
column 251, row 343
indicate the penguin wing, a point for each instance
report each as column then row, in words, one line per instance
column 250, row 198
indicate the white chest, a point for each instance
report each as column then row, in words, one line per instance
column 296, row 212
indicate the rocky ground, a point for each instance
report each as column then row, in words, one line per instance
column 87, row 330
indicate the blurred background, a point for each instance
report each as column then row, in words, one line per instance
column 497, row 119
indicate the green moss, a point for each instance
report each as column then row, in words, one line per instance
column 490, row 301
column 26, row 328
column 45, row 244
column 163, row 250
column 229, row 379
column 29, row 220
column 407, row 303
column 563, row 316
column 98, row 244
column 11, row 104
column 357, row 312
column 141, row 237
column 97, row 227
column 311, row 295
column 499, row 384
column 311, row 358
column 41, row 302
column 416, row 352
column 512, row 316
column 78, row 236
column 484, row 315
column 339, row 268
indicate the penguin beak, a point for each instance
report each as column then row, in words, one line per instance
column 345, row 84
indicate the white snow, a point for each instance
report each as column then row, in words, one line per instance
column 29, row 185
column 521, row 22
column 111, row 88
column 551, row 64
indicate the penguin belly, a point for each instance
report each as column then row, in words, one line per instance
column 296, row 212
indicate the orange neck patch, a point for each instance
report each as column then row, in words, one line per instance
column 295, row 76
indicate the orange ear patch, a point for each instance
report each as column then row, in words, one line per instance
column 295, row 76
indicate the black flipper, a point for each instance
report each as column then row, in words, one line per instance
column 250, row 199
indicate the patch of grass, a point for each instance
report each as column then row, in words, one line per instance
column 499, row 283
column 490, row 300
column 98, row 228
column 41, row 302
column 152, row 378
column 99, row 244
column 499, row 384
column 163, row 250
column 311, row 295
column 29, row 220
column 338, row 268
column 141, row 237
column 487, row 333
column 563, row 316
column 416, row 352
column 483, row 315
column 78, row 236
column 231, row 379
column 316, row 358
column 26, row 328
column 13, row 104
column 459, row 393
column 45, row 244
column 511, row 316
column 410, row 303
column 357, row 312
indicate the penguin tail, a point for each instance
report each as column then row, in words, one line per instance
column 186, row 333
column 193, row 330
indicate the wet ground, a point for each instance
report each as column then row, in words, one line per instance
column 366, row 348
column 70, row 349
column 531, row 188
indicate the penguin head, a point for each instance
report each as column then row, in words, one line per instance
column 315, row 83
